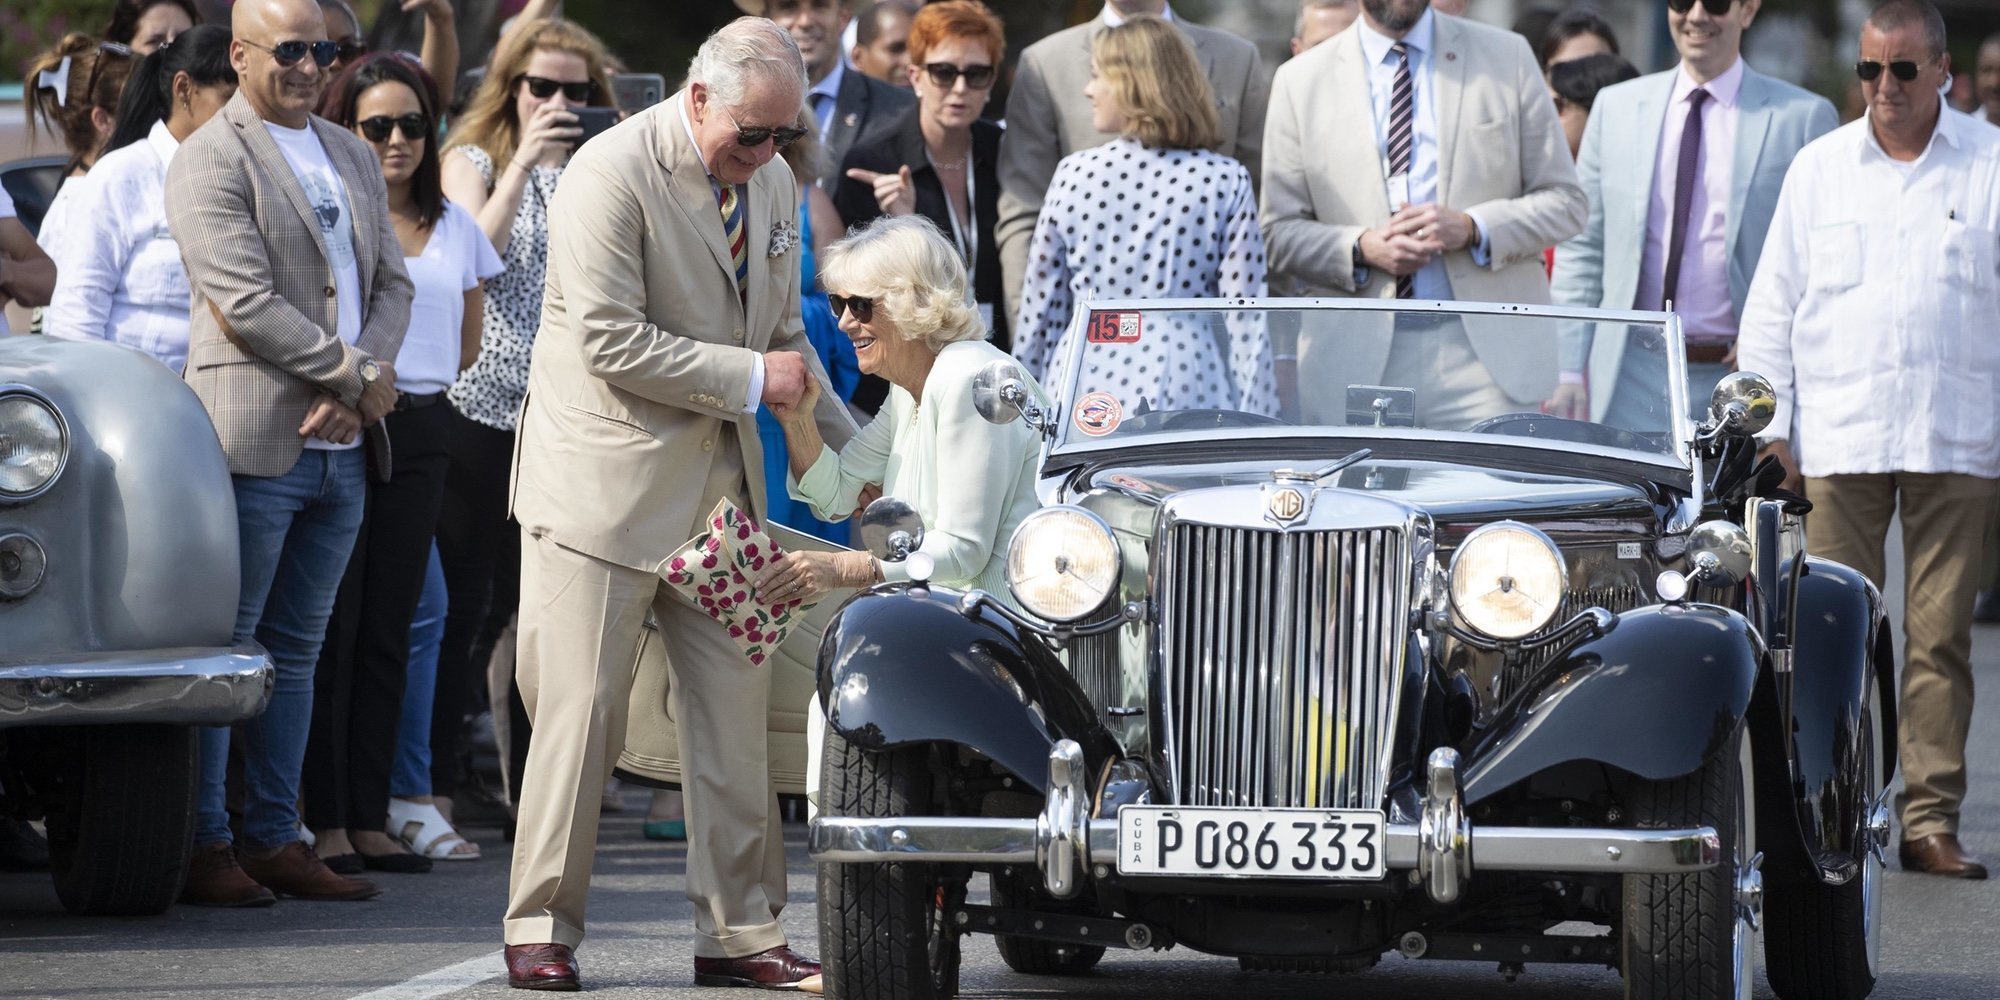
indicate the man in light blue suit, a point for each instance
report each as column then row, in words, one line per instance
column 1683, row 170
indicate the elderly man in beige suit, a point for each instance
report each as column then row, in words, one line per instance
column 672, row 311
column 1048, row 118
column 1416, row 155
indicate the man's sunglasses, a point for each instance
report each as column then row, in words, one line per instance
column 862, row 307
column 543, row 88
column 1903, row 69
column 288, row 54
column 782, row 135
column 1715, row 8
column 413, row 127
column 946, row 75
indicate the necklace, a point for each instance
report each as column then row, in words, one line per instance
column 953, row 167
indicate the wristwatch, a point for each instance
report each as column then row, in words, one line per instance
column 370, row 371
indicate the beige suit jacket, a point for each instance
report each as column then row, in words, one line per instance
column 641, row 370
column 263, row 344
column 1501, row 154
column 1048, row 118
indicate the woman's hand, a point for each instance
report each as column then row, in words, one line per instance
column 551, row 133
column 802, row 576
column 803, row 409
column 895, row 193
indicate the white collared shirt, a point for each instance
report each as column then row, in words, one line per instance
column 756, row 396
column 1873, row 308
column 1707, row 314
column 118, row 274
column 1113, row 19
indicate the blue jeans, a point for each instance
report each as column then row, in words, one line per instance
column 410, row 777
column 296, row 532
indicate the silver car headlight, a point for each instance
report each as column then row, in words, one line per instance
column 1507, row 580
column 34, row 444
column 1062, row 563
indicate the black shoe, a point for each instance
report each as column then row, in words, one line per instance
column 21, row 848
column 1986, row 607
column 350, row 863
column 398, row 863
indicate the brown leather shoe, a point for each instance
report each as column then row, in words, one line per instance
column 215, row 879
column 542, row 967
column 1940, row 854
column 297, row 871
column 780, row 968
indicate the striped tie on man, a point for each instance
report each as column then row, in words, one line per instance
column 737, row 235
column 1402, row 115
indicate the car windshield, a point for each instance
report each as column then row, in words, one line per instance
column 1132, row 372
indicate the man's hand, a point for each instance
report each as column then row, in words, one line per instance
column 1447, row 227
column 331, row 420
column 895, row 193
column 785, row 379
column 379, row 396
column 1570, row 400
column 1783, row 449
column 1397, row 253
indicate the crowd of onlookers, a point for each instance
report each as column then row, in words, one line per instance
column 1401, row 152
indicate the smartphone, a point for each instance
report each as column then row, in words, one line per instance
column 594, row 121
column 638, row 91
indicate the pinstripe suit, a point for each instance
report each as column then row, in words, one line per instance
column 263, row 341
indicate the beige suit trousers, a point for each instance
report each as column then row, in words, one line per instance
column 1944, row 523
column 580, row 625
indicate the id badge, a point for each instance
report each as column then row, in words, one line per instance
column 1399, row 192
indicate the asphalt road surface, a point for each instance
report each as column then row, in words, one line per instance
column 438, row 934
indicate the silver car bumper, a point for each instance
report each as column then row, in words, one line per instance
column 192, row 687
column 1441, row 850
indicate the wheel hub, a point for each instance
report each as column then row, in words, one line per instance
column 1750, row 893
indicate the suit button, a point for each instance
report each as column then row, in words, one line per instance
column 328, row 290
column 737, row 336
column 708, row 446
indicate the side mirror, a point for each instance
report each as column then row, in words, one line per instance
column 1719, row 553
column 1743, row 403
column 893, row 531
column 1001, row 395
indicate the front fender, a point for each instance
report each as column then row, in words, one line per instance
column 1655, row 696
column 905, row 665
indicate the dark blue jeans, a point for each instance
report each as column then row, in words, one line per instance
column 296, row 532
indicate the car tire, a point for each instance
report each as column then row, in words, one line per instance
column 1683, row 937
column 883, row 930
column 120, row 832
column 1033, row 956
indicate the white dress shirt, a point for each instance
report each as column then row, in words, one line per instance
column 1113, row 19
column 1703, row 301
column 119, row 276
column 1873, row 308
column 59, row 223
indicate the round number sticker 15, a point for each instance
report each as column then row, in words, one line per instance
column 1098, row 414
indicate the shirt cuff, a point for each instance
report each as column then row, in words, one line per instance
column 1570, row 378
column 1482, row 253
column 756, row 397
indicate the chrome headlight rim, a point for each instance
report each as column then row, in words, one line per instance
column 13, row 391
column 1117, row 562
column 1451, row 578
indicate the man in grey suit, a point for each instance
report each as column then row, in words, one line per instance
column 1048, row 118
column 300, row 301
column 852, row 107
column 1683, row 170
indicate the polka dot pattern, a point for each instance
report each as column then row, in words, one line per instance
column 491, row 391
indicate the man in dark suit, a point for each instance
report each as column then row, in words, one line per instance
column 852, row 108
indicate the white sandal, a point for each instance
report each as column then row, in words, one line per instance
column 424, row 830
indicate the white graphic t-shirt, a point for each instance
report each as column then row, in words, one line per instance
column 328, row 196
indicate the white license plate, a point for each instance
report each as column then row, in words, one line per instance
column 1250, row 843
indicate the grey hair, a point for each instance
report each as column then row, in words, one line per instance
column 746, row 47
column 1901, row 13
column 1299, row 22
column 913, row 274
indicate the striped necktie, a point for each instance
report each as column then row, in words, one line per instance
column 1402, row 115
column 736, row 234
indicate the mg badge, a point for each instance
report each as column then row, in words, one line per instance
column 1286, row 504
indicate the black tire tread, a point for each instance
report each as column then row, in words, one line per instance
column 1807, row 955
column 1034, row 956
column 1665, row 912
column 874, row 941
column 124, row 849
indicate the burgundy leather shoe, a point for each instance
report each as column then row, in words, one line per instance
column 215, row 879
column 1940, row 854
column 542, row 967
column 780, row 968
column 297, row 871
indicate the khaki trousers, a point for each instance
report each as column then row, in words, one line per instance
column 580, row 623
column 1944, row 524
column 1454, row 388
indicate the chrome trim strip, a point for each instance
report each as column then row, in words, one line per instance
column 196, row 687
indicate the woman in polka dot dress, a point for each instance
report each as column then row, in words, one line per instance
column 1153, row 214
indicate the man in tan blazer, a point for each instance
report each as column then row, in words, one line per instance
column 1477, row 182
column 658, row 341
column 1048, row 118
column 300, row 302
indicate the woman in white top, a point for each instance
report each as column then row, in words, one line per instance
column 360, row 684
column 119, row 276
column 902, row 296
column 74, row 89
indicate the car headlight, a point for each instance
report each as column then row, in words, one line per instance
column 1507, row 580
column 33, row 445
column 1062, row 563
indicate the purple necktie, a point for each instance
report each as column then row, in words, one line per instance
column 1684, row 182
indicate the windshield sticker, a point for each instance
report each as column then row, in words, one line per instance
column 1098, row 414
column 1113, row 328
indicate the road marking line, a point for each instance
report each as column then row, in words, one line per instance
column 440, row 982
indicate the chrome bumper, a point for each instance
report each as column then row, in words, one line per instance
column 190, row 687
column 1441, row 851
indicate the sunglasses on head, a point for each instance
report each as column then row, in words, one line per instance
column 413, row 127
column 543, row 88
column 946, row 75
column 1903, row 69
column 861, row 306
column 118, row 49
column 1715, row 8
column 288, row 54
column 757, row 135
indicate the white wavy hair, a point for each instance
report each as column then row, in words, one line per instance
column 914, row 276
column 741, row 49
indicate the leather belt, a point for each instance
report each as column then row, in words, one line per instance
column 405, row 401
column 1708, row 354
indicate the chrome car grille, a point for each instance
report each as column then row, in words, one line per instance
column 1282, row 657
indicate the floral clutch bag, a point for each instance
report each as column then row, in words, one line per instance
column 714, row 570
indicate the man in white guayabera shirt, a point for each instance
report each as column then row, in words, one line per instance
column 299, row 298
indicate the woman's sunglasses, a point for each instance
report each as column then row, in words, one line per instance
column 783, row 135
column 1715, row 8
column 1903, row 69
column 413, row 126
column 946, row 75
column 288, row 54
column 862, row 307
column 351, row 50
column 543, row 88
